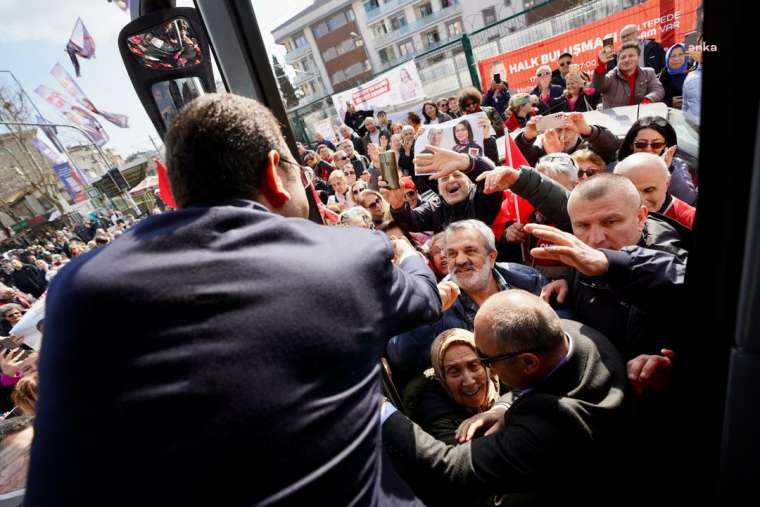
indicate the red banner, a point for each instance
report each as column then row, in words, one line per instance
column 666, row 21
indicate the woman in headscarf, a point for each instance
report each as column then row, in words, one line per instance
column 673, row 75
column 455, row 388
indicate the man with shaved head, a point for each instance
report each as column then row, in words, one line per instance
column 552, row 438
column 650, row 174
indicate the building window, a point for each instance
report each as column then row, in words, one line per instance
column 350, row 15
column 454, row 27
column 406, row 48
column 448, row 3
column 432, row 37
column 346, row 46
column 398, row 22
column 387, row 55
column 489, row 16
column 328, row 54
column 337, row 21
column 527, row 4
column 320, row 30
column 299, row 41
column 338, row 76
column 507, row 3
column 425, row 10
column 379, row 29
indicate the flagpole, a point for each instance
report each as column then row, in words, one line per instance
column 29, row 98
column 507, row 142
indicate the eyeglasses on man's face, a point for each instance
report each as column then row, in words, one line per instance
column 488, row 360
column 564, row 64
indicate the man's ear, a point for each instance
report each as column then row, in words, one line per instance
column 271, row 186
column 643, row 213
column 530, row 363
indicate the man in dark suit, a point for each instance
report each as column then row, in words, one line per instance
column 227, row 352
column 557, row 441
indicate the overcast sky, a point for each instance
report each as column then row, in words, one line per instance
column 33, row 35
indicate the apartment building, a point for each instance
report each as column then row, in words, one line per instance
column 334, row 45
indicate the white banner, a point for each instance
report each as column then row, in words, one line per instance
column 397, row 86
column 26, row 328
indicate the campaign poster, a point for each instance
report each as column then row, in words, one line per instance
column 463, row 135
column 397, row 86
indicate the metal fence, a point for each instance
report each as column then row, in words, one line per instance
column 444, row 69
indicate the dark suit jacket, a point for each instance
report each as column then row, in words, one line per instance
column 221, row 354
column 558, row 443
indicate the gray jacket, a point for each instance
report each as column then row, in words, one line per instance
column 616, row 92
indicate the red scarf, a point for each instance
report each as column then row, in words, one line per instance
column 631, row 78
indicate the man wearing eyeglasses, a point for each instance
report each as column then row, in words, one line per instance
column 247, row 347
column 558, row 438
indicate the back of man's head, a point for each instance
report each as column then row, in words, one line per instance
column 218, row 146
column 521, row 321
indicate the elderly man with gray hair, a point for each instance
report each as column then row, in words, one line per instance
column 470, row 252
column 650, row 174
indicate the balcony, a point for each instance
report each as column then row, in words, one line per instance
column 302, row 77
column 387, row 8
column 417, row 51
column 417, row 25
column 292, row 56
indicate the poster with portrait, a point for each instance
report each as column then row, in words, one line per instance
column 463, row 135
column 397, row 86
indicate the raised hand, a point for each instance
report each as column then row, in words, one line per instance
column 569, row 250
column 441, row 162
column 449, row 292
column 498, row 180
column 552, row 142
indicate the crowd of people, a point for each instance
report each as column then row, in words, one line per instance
column 524, row 314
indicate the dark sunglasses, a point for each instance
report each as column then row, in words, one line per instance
column 470, row 105
column 411, row 193
column 589, row 173
column 359, row 191
column 564, row 64
column 488, row 361
column 643, row 144
column 342, row 158
column 376, row 203
column 349, row 172
column 653, row 120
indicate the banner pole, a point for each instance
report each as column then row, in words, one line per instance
column 471, row 64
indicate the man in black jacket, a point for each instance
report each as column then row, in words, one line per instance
column 459, row 199
column 246, row 338
column 355, row 118
column 561, row 443
column 575, row 135
column 28, row 278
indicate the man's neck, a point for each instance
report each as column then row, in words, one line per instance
column 480, row 297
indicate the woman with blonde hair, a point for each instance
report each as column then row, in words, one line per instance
column 341, row 199
column 589, row 164
column 378, row 207
column 456, row 387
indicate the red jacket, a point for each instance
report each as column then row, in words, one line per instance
column 681, row 212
